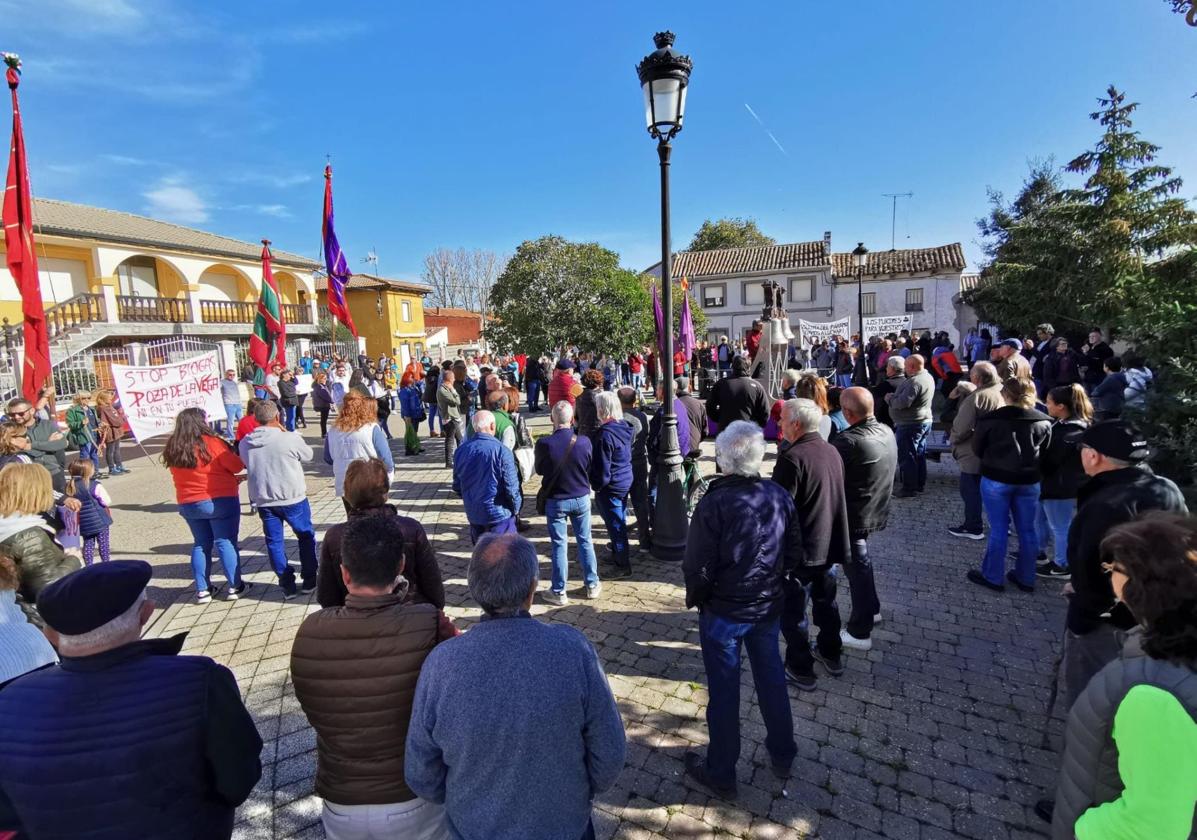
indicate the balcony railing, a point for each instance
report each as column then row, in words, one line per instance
column 152, row 309
column 226, row 312
column 78, row 311
column 297, row 313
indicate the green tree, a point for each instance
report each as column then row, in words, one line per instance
column 728, row 233
column 329, row 328
column 1119, row 251
column 554, row 293
column 1032, row 258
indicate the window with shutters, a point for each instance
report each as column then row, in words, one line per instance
column 914, row 300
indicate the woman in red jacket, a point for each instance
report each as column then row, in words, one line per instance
column 206, row 471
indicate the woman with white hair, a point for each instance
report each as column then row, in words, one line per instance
column 611, row 476
column 743, row 537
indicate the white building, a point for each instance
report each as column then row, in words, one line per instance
column 821, row 285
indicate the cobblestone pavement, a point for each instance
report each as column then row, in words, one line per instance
column 935, row 733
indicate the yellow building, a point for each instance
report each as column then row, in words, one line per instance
column 127, row 276
column 388, row 314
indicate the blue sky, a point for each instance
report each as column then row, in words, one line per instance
column 483, row 124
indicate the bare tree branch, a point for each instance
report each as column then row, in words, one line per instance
column 462, row 279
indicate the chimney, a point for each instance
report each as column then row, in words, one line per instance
column 827, row 244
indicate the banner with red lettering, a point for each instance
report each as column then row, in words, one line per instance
column 154, row 394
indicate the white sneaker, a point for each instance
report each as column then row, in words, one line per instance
column 554, row 598
column 876, row 619
column 850, row 641
column 594, row 591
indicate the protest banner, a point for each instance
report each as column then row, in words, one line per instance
column 303, row 384
column 822, row 331
column 883, row 325
column 153, row 395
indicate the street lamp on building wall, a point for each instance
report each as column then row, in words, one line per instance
column 664, row 78
column 860, row 258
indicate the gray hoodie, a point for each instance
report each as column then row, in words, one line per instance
column 274, row 460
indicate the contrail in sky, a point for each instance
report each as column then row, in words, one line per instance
column 761, row 122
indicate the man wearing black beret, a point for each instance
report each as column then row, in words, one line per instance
column 123, row 738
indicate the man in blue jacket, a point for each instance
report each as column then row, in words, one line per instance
column 611, row 476
column 486, row 478
column 123, row 738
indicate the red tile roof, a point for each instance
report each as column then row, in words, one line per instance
column 369, row 281
column 747, row 260
column 902, row 261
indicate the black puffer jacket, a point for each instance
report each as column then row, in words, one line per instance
column 1011, row 442
column 586, row 412
column 1061, row 467
column 738, row 398
column 870, row 455
column 743, row 540
column 1108, row 499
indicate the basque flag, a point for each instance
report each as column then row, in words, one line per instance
column 334, row 261
column 268, row 342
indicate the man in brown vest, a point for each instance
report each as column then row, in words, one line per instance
column 355, row 669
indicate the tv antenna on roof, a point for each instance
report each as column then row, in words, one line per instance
column 372, row 258
column 893, row 224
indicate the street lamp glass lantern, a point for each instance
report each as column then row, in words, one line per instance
column 860, row 255
column 664, row 78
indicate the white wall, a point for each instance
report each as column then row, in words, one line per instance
column 60, row 280
column 218, row 287
column 938, row 313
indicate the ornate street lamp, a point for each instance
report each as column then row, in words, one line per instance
column 665, row 76
column 860, row 258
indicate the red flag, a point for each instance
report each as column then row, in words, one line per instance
column 21, row 257
column 268, row 342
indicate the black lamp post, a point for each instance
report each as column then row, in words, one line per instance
column 664, row 76
column 860, row 257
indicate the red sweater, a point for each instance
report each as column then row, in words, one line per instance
column 215, row 479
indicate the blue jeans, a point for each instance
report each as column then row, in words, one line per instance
column 843, row 380
column 289, row 417
column 614, row 510
column 232, row 415
column 533, row 394
column 824, row 612
column 430, row 409
column 638, row 381
column 1001, row 500
column 214, row 523
column 299, row 517
column 559, row 512
column 970, row 492
column 506, row 526
column 90, row 452
column 912, row 454
column 1055, row 517
column 720, row 639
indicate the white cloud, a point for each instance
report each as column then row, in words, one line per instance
column 272, row 180
column 86, row 17
column 171, row 201
column 126, row 160
column 278, row 211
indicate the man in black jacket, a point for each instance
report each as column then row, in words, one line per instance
column 738, row 397
column 810, row 470
column 638, row 420
column 124, row 737
column 1121, row 486
column 47, row 442
column 696, row 414
column 870, row 456
column 743, row 539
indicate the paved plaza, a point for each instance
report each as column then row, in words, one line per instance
column 936, row 733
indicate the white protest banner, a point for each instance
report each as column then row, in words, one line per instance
column 886, row 324
column 822, row 331
column 303, row 384
column 153, row 395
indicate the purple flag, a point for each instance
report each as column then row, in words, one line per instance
column 334, row 261
column 686, row 328
column 659, row 320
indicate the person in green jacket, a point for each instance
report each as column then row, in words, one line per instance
column 1130, row 747
column 82, row 426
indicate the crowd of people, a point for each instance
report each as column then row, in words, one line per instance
column 434, row 738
